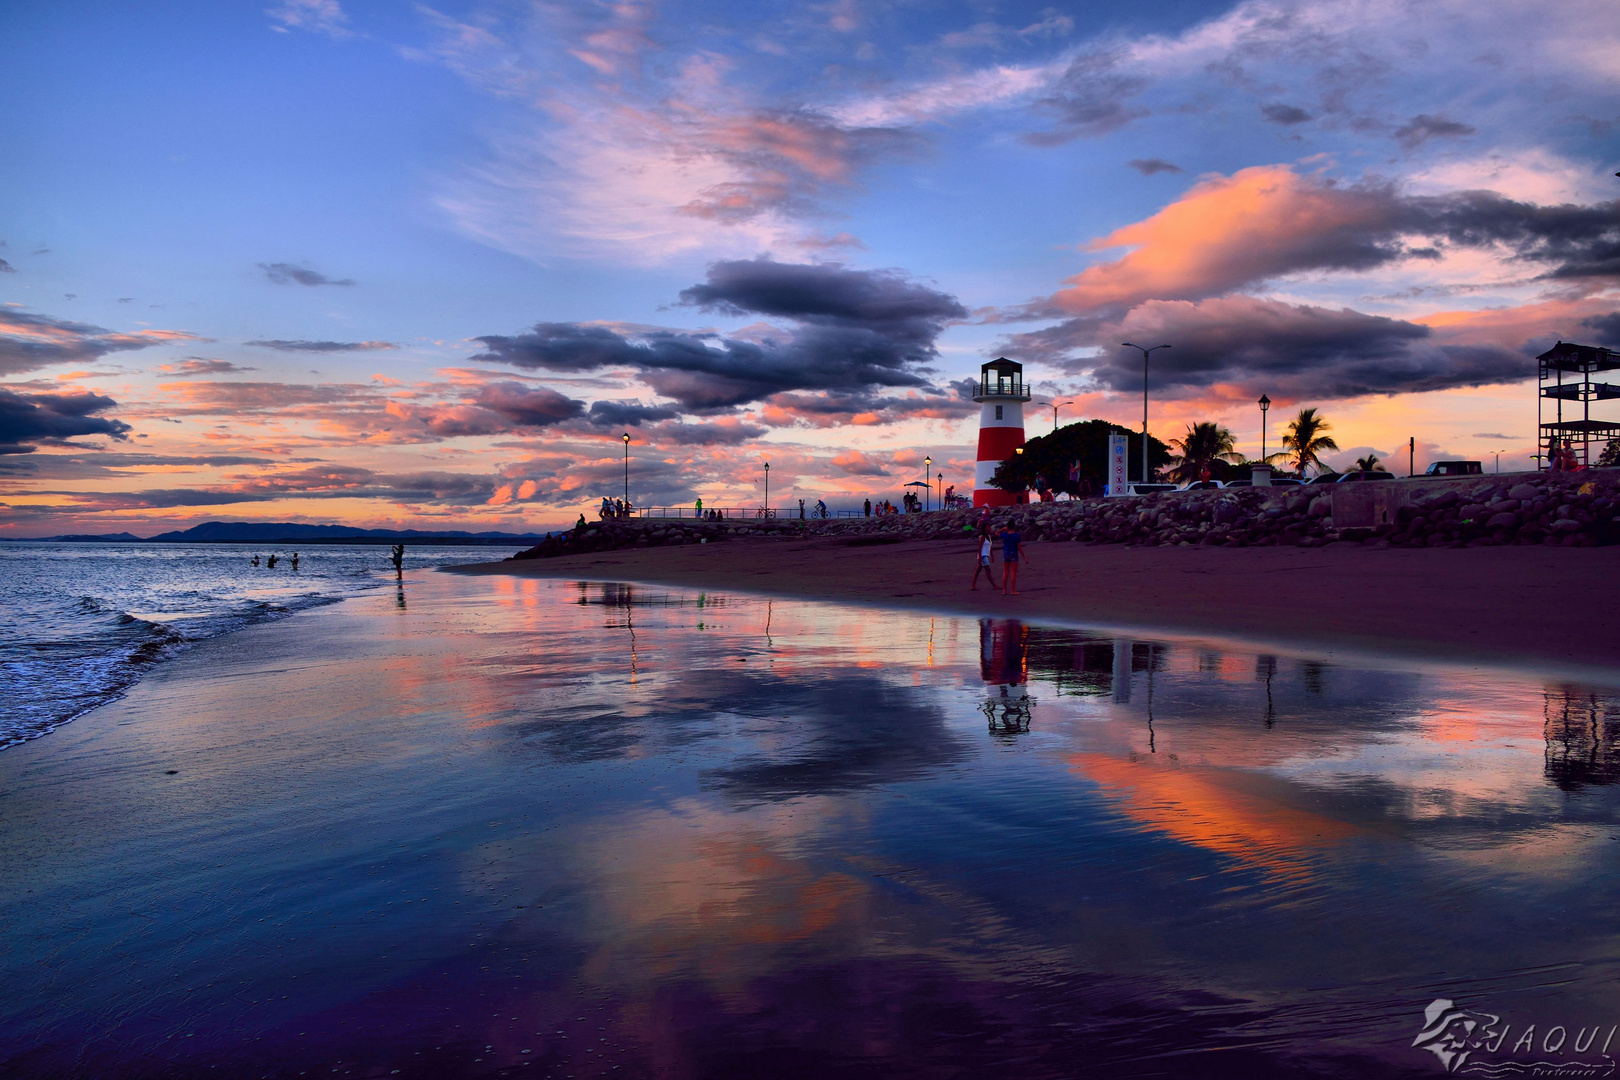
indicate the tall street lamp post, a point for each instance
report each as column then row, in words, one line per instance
column 929, row 476
column 1053, row 405
column 627, row 472
column 767, row 489
column 1265, row 403
column 1145, row 352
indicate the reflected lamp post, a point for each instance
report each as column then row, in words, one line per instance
column 1264, row 403
column 928, row 475
column 627, row 472
column 1145, row 352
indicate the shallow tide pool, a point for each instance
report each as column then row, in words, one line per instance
column 504, row 827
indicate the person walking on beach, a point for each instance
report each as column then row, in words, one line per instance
column 399, row 561
column 1012, row 551
column 983, row 565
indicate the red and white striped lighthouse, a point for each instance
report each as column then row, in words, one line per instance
column 1001, row 396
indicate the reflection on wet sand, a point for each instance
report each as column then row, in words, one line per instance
column 626, row 831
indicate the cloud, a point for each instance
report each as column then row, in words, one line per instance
column 1296, row 351
column 856, row 330
column 1278, row 113
column 7, row 268
column 1091, row 98
column 1605, row 327
column 496, row 408
column 30, row 341
column 1420, row 129
column 1269, row 221
column 196, row 365
column 855, row 463
column 620, row 414
column 1153, row 166
column 288, row 274
column 29, row 419
column 319, row 16
column 281, row 345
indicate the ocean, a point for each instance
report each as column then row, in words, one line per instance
column 81, row 622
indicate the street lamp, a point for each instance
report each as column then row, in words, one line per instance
column 1053, row 405
column 627, row 472
column 1145, row 353
column 929, row 476
column 767, row 489
column 1498, row 454
column 1265, row 403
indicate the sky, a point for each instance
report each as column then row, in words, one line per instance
column 422, row 265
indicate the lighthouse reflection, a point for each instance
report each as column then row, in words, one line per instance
column 1004, row 666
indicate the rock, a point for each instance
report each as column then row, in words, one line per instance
column 1507, row 519
column 1566, row 526
column 1523, row 492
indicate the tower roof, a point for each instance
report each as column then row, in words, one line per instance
column 1003, row 365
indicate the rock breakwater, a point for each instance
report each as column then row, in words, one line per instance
column 1545, row 509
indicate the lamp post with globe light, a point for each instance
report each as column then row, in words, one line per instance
column 928, row 475
column 627, row 473
column 1264, row 403
column 767, row 512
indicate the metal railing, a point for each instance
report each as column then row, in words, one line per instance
column 728, row 513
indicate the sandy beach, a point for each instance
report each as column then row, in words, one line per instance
column 1487, row 605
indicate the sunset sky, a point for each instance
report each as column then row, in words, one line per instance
column 421, row 265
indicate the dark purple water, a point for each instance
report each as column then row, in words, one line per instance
column 485, row 827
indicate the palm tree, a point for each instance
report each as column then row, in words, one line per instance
column 1206, row 445
column 1370, row 463
column 1306, row 438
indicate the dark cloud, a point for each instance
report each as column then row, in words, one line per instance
column 29, row 419
column 856, row 330
column 288, row 274
column 1090, row 99
column 1492, row 435
column 1606, row 328
column 614, row 414
column 30, row 341
column 1151, row 166
column 1284, row 114
column 1423, row 127
column 525, row 406
column 196, row 365
column 1298, row 351
column 1577, row 241
column 281, row 345
column 724, row 433
column 7, row 268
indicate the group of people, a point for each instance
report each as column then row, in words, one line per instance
column 881, row 509
column 273, row 559
column 1012, row 553
column 1561, row 457
column 616, row 508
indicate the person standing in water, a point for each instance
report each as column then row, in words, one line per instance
column 399, row 561
column 295, row 560
column 272, row 562
column 255, row 560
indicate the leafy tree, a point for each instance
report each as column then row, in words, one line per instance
column 1369, row 463
column 1610, row 456
column 1050, row 457
column 1305, row 439
column 1206, row 445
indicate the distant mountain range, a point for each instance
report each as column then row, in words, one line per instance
column 253, row 532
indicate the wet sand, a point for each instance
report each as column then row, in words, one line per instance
column 1488, row 605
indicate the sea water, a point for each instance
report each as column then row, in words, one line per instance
column 506, row 827
column 81, row 622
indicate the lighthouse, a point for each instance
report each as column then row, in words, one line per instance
column 1001, row 396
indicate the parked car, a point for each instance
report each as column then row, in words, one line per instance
column 1454, row 468
column 1205, row 485
column 1286, row 481
column 1364, row 474
column 1324, row 478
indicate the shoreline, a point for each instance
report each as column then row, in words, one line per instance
column 1541, row 607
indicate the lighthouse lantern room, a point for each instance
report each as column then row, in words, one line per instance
column 1001, row 396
